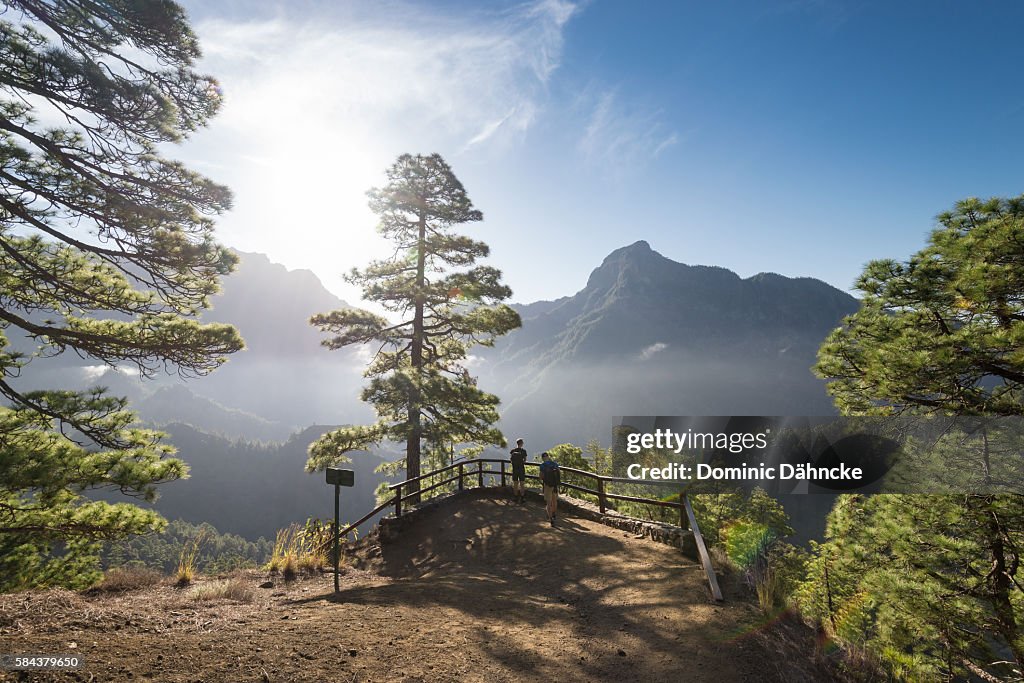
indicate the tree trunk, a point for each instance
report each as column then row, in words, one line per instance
column 412, row 447
column 1000, row 586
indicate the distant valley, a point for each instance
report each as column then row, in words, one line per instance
column 645, row 335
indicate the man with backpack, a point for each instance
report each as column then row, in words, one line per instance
column 551, row 478
column 518, row 458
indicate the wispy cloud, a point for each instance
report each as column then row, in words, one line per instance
column 665, row 144
column 488, row 130
column 91, row 373
column 552, row 16
column 651, row 350
column 446, row 76
column 94, row 372
column 623, row 134
column 316, row 108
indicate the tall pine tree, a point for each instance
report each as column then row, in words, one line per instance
column 938, row 578
column 445, row 303
column 107, row 251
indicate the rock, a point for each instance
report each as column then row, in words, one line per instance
column 622, row 653
column 267, row 584
column 353, row 652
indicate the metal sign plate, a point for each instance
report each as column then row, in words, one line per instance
column 340, row 477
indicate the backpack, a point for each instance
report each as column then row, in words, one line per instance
column 518, row 457
column 551, row 475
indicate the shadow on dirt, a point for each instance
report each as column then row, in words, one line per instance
column 493, row 561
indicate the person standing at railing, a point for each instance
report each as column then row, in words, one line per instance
column 551, row 476
column 518, row 457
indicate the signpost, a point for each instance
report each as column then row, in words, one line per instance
column 339, row 478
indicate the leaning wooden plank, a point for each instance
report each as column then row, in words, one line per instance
column 702, row 549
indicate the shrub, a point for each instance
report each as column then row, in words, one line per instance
column 232, row 589
column 754, row 546
column 128, row 579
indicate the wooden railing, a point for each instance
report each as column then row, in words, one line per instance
column 474, row 468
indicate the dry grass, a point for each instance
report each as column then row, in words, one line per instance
column 310, row 564
column 289, row 567
column 230, row 589
column 186, row 573
column 768, row 588
column 303, row 549
column 122, row 579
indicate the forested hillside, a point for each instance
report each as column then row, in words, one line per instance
column 253, row 489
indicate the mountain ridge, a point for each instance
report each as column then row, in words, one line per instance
column 639, row 281
column 649, row 335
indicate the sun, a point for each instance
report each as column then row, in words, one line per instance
column 305, row 206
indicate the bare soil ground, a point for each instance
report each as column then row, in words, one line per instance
column 479, row 589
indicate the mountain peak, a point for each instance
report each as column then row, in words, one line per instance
column 262, row 291
column 638, row 252
column 626, row 263
column 640, row 248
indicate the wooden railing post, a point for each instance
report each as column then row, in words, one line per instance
column 702, row 550
column 502, row 474
column 398, row 502
column 462, row 477
column 683, row 523
column 600, row 495
column 480, row 473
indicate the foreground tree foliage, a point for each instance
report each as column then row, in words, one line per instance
column 419, row 385
column 944, row 331
column 932, row 586
column 914, row 580
column 107, row 251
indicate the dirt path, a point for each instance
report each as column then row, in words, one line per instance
column 484, row 591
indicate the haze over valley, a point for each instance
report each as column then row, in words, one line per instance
column 644, row 335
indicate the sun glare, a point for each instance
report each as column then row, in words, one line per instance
column 305, row 201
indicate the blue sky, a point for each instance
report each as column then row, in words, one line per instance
column 803, row 137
